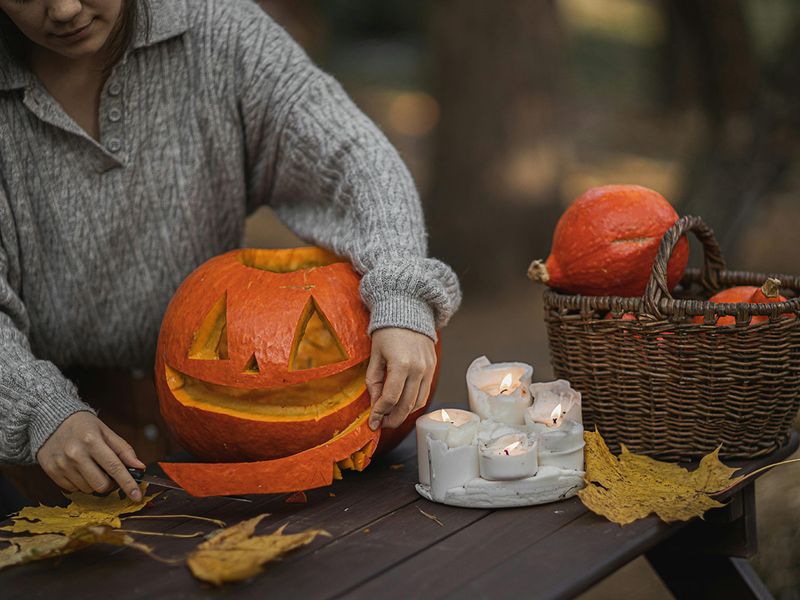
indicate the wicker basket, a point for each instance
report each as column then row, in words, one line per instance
column 671, row 388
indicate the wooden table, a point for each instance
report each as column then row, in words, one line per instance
column 383, row 546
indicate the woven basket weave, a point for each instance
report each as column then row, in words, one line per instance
column 665, row 386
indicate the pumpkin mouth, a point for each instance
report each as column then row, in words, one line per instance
column 309, row 400
column 288, row 260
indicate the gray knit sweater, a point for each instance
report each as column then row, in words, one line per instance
column 212, row 114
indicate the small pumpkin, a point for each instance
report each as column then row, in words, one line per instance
column 261, row 365
column 606, row 241
column 769, row 292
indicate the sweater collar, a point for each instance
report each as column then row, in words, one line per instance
column 168, row 19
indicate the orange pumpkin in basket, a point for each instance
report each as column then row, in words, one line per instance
column 605, row 243
column 769, row 292
column 261, row 360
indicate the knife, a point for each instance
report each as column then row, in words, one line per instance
column 140, row 476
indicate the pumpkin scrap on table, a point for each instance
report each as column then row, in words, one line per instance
column 260, row 370
column 630, row 487
column 605, row 243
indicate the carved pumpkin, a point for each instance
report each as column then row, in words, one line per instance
column 605, row 243
column 261, row 365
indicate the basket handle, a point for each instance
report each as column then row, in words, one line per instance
column 657, row 289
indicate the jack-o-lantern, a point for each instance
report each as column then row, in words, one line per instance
column 261, row 366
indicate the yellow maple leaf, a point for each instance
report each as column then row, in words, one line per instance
column 29, row 548
column 631, row 486
column 83, row 510
column 235, row 553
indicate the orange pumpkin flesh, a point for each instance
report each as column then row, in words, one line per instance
column 605, row 243
column 261, row 366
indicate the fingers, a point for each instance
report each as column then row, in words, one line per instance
column 407, row 401
column 376, row 371
column 58, row 478
column 390, row 395
column 424, row 392
column 122, row 448
column 108, row 459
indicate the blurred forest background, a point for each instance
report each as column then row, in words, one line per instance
column 505, row 111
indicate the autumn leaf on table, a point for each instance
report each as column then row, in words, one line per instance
column 27, row 549
column 631, row 486
column 235, row 553
column 83, row 510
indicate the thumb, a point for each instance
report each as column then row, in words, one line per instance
column 376, row 373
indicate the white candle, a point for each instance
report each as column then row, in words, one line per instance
column 509, row 457
column 560, row 440
column 450, row 467
column 499, row 391
column 548, row 395
column 452, row 426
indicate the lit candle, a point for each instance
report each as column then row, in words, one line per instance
column 450, row 468
column 499, row 391
column 452, row 426
column 560, row 439
column 509, row 457
column 546, row 396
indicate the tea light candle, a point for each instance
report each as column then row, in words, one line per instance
column 499, row 391
column 546, row 396
column 509, row 457
column 560, row 440
column 452, row 426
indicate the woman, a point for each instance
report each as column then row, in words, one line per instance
column 136, row 137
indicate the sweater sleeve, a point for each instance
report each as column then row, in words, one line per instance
column 336, row 181
column 35, row 397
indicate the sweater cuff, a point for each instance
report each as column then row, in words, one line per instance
column 49, row 415
column 402, row 310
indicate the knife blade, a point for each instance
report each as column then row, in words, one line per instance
column 140, row 476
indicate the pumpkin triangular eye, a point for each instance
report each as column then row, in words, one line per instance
column 211, row 339
column 252, row 368
column 315, row 342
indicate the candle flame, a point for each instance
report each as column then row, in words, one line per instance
column 446, row 417
column 505, row 385
column 555, row 416
column 511, row 446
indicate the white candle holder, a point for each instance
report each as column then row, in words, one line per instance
column 513, row 460
column 490, row 399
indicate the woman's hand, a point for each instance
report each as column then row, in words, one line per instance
column 399, row 375
column 83, row 452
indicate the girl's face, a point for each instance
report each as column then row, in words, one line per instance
column 71, row 28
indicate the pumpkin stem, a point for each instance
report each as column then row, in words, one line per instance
column 537, row 272
column 771, row 287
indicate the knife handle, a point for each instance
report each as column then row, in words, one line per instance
column 137, row 474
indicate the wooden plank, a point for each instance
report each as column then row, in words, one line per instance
column 364, row 553
column 585, row 551
column 360, row 499
column 450, row 564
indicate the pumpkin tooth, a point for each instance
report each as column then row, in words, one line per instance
column 337, row 473
column 347, row 463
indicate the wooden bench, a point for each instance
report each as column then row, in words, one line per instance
column 383, row 546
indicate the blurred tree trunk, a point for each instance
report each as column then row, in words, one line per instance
column 751, row 110
column 496, row 168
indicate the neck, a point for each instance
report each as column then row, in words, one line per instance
column 46, row 63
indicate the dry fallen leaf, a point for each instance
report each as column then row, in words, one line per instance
column 83, row 510
column 632, row 486
column 235, row 553
column 297, row 498
column 26, row 549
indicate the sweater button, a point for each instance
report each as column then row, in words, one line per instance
column 114, row 115
column 114, row 145
column 115, row 89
